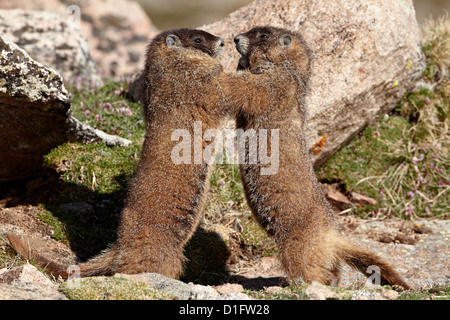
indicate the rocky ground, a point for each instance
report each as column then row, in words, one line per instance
column 350, row 43
column 419, row 250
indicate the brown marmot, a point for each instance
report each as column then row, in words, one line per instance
column 165, row 198
column 290, row 204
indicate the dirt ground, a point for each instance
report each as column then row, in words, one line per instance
column 419, row 249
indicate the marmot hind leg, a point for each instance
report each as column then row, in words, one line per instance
column 303, row 259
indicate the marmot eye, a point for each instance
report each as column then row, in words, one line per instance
column 198, row 40
column 264, row 36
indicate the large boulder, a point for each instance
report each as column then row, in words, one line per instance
column 34, row 114
column 26, row 282
column 34, row 106
column 117, row 31
column 366, row 55
column 51, row 41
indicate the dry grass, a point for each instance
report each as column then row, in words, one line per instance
column 422, row 181
column 436, row 42
column 406, row 165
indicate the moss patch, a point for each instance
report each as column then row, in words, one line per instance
column 110, row 288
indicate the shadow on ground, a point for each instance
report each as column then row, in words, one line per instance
column 87, row 221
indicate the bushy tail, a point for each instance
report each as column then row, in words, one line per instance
column 368, row 263
column 100, row 265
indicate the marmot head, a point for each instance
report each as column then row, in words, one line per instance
column 262, row 47
column 190, row 38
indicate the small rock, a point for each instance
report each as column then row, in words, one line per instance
column 233, row 296
column 419, row 228
column 199, row 292
column 317, row 291
column 110, row 288
column 229, row 288
column 366, row 295
column 29, row 291
column 273, row 290
column 27, row 283
column 25, row 273
column 185, row 291
column 389, row 294
column 173, row 287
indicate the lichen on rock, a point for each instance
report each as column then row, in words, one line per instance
column 22, row 77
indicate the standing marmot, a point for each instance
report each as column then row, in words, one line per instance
column 290, row 204
column 165, row 198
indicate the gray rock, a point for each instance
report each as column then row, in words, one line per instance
column 34, row 107
column 389, row 294
column 233, row 296
column 117, row 31
column 25, row 273
column 230, row 288
column 29, row 291
column 199, row 292
column 317, row 291
column 171, row 286
column 49, row 40
column 366, row 55
column 367, row 295
column 183, row 290
column 27, row 283
column 35, row 114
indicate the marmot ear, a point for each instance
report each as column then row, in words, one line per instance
column 285, row 40
column 173, row 41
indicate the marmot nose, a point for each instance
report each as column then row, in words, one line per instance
column 221, row 42
column 237, row 38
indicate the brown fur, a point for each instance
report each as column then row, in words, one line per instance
column 290, row 204
column 164, row 199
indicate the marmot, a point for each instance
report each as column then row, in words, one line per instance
column 290, row 204
column 164, row 199
column 186, row 84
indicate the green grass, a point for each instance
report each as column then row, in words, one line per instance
column 402, row 160
column 110, row 288
column 60, row 232
column 96, row 166
column 297, row 292
column 107, row 109
column 441, row 292
column 288, row 293
column 226, row 184
column 256, row 238
column 95, row 174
